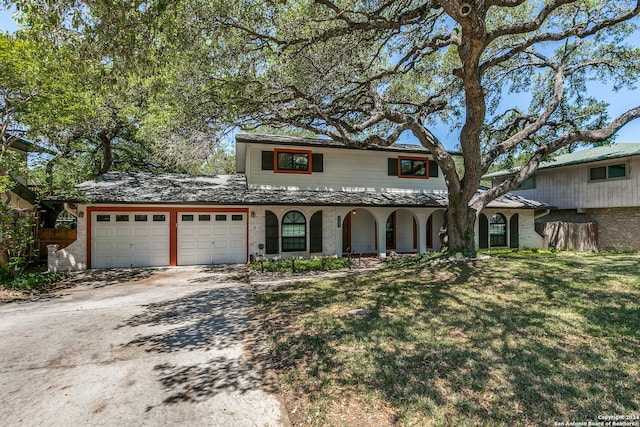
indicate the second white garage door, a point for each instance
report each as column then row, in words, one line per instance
column 211, row 238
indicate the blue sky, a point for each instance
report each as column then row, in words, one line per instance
column 619, row 102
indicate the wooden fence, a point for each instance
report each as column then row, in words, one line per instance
column 49, row 236
column 568, row 236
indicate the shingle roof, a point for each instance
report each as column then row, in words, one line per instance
column 606, row 152
column 325, row 142
column 145, row 188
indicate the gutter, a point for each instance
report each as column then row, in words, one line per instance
column 540, row 215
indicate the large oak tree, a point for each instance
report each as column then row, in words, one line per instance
column 364, row 72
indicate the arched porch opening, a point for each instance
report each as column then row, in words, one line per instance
column 359, row 232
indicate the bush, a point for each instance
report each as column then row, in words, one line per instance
column 29, row 280
column 16, row 238
column 301, row 264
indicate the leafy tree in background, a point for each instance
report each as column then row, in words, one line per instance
column 366, row 72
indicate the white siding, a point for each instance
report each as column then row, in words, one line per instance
column 570, row 188
column 344, row 170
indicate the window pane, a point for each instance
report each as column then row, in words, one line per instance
column 204, row 217
column 301, row 161
column 140, row 218
column 405, row 167
column 221, row 217
column 122, row 218
column 598, row 173
column 293, row 218
column 187, row 217
column 293, row 230
column 158, row 218
column 236, row 217
column 413, row 167
column 617, row 171
column 103, row 218
column 285, row 161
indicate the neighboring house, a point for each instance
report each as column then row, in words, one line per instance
column 291, row 197
column 21, row 196
column 600, row 185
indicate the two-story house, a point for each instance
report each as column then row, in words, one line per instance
column 291, row 197
column 600, row 185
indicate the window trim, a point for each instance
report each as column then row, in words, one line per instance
column 606, row 168
column 276, row 153
column 423, row 159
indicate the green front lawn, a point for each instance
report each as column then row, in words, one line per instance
column 519, row 339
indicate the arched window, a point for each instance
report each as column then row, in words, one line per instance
column 497, row 230
column 294, row 232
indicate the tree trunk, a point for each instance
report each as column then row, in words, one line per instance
column 460, row 226
column 107, row 155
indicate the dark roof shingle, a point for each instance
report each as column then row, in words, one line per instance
column 146, row 188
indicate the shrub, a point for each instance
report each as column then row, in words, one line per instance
column 16, row 238
column 301, row 264
column 29, row 280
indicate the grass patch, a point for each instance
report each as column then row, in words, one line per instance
column 519, row 339
column 301, row 264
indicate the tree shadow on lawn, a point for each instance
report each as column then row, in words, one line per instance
column 466, row 346
column 208, row 322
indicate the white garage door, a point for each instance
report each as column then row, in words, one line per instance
column 211, row 238
column 129, row 239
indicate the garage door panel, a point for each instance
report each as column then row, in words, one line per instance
column 102, row 232
column 160, row 246
column 141, row 232
column 236, row 231
column 123, row 232
column 160, row 232
column 139, row 246
column 221, row 231
column 236, row 244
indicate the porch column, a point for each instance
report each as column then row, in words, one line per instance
column 421, row 230
column 381, row 216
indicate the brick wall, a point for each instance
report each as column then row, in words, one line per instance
column 257, row 228
column 617, row 227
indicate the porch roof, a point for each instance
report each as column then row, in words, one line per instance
column 146, row 188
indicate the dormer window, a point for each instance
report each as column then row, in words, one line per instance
column 601, row 173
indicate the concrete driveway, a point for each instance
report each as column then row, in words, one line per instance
column 156, row 347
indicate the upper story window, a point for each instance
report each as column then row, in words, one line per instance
column 412, row 167
column 608, row 172
column 293, row 161
column 283, row 160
